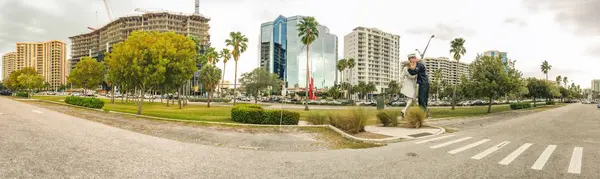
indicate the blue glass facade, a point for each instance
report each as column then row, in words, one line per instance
column 283, row 53
column 279, row 47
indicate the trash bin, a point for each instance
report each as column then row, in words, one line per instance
column 380, row 102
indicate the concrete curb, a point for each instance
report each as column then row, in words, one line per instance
column 342, row 133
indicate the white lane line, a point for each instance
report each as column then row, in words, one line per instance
column 450, row 142
column 469, row 146
column 512, row 156
column 541, row 161
column 490, row 150
column 36, row 111
column 575, row 164
column 429, row 140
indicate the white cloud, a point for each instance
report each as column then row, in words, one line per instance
column 485, row 25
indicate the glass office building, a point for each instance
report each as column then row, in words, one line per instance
column 281, row 52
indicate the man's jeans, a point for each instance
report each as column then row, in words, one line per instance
column 423, row 96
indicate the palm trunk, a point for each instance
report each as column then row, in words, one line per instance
column 222, row 80
column 235, row 82
column 141, row 102
column 454, row 90
column 209, row 99
column 307, row 73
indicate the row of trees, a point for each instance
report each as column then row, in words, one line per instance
column 26, row 79
column 158, row 62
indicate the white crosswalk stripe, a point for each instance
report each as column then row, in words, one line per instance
column 433, row 139
column 490, row 150
column 468, row 146
column 575, row 164
column 512, row 156
column 576, row 157
column 541, row 161
column 450, row 142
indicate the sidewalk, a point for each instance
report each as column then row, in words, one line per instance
column 399, row 132
column 407, row 133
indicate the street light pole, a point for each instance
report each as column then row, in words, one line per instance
column 425, row 50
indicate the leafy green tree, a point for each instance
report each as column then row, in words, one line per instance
column 30, row 81
column 239, row 44
column 258, row 80
column 491, row 79
column 88, row 74
column 537, row 89
column 152, row 60
column 210, row 76
column 457, row 48
column 308, row 32
column 12, row 82
column 545, row 67
column 565, row 81
column 2, row 86
column 226, row 55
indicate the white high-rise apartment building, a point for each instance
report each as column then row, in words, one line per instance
column 450, row 71
column 377, row 56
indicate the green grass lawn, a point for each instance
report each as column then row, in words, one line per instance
column 157, row 109
column 223, row 113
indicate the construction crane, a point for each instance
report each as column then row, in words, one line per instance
column 107, row 11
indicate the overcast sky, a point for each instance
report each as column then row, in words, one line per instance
column 563, row 32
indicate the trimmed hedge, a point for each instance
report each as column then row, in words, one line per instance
column 254, row 114
column 22, row 95
column 520, row 105
column 550, row 103
column 217, row 100
column 85, row 102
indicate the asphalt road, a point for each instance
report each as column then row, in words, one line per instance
column 38, row 143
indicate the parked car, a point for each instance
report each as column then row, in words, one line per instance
column 5, row 93
column 598, row 105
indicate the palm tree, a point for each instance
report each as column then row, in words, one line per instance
column 457, row 48
column 350, row 63
column 226, row 55
column 308, row 32
column 239, row 44
column 212, row 55
column 436, row 83
column 558, row 80
column 565, row 81
column 546, row 68
column 341, row 66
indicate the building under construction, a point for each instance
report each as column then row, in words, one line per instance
column 95, row 43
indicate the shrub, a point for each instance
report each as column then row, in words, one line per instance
column 519, row 105
column 550, row 103
column 85, row 102
column 414, row 117
column 254, row 114
column 216, row 100
column 22, row 95
column 388, row 118
column 317, row 118
column 283, row 117
column 353, row 122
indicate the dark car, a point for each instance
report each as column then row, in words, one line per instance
column 6, row 93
